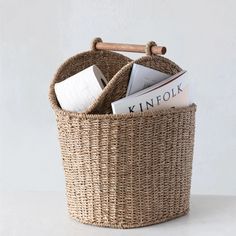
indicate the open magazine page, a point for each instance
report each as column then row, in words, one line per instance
column 142, row 77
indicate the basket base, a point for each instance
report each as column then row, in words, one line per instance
column 129, row 226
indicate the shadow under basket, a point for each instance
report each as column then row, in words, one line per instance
column 124, row 170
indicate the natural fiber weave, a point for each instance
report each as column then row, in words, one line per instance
column 125, row 170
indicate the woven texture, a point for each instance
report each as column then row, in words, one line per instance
column 125, row 170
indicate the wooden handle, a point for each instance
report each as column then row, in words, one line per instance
column 129, row 47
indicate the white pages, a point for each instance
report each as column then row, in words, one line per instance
column 142, row 77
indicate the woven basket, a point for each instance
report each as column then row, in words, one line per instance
column 124, row 170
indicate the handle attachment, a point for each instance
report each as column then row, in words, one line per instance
column 150, row 48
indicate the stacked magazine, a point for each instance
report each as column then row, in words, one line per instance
column 151, row 89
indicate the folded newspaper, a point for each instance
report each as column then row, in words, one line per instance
column 151, row 89
column 77, row 92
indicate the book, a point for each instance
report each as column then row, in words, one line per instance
column 171, row 92
column 77, row 92
column 142, row 77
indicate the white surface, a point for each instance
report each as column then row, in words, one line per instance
column 44, row 213
column 37, row 36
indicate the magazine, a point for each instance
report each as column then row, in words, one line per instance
column 170, row 92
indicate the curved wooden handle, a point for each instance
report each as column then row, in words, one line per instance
column 129, row 47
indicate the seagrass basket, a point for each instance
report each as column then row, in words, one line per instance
column 124, row 170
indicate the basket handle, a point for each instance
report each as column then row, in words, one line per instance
column 150, row 48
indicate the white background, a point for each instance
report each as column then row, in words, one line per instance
column 37, row 36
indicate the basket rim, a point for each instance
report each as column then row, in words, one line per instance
column 150, row 113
